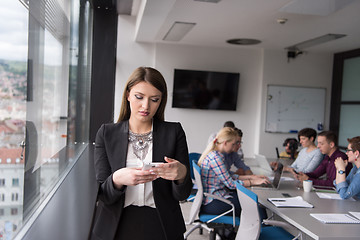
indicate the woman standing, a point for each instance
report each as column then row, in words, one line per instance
column 349, row 186
column 135, row 203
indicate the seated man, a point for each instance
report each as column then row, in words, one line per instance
column 235, row 159
column 291, row 145
column 226, row 124
column 327, row 143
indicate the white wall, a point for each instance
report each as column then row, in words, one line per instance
column 199, row 124
column 257, row 69
column 129, row 56
column 309, row 70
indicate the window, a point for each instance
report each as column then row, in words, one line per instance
column 14, row 211
column 2, row 197
column 15, row 182
column 2, row 182
column 14, row 197
column 45, row 62
column 345, row 103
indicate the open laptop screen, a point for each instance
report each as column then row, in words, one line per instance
column 277, row 176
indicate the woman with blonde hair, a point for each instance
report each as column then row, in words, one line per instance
column 216, row 179
column 135, row 202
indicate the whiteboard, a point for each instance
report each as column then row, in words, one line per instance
column 290, row 109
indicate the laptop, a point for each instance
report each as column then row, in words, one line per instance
column 276, row 181
column 263, row 163
column 277, row 153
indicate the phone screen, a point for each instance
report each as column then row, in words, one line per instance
column 148, row 166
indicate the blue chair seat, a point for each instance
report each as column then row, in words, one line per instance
column 223, row 219
column 272, row 232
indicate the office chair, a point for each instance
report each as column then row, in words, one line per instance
column 205, row 221
column 250, row 225
column 193, row 156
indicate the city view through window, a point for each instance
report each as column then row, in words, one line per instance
column 41, row 85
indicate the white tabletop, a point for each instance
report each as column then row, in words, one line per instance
column 300, row 217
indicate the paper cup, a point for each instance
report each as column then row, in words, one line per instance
column 307, row 185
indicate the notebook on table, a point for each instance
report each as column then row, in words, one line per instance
column 290, row 202
column 335, row 218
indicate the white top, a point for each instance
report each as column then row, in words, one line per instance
column 307, row 161
column 141, row 194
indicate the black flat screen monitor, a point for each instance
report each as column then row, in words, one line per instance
column 205, row 89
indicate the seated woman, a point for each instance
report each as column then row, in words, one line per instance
column 216, row 178
column 349, row 186
column 309, row 157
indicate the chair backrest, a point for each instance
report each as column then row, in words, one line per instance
column 193, row 156
column 196, row 205
column 250, row 224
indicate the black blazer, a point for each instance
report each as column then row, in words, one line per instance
column 111, row 146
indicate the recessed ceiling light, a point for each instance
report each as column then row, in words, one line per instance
column 281, row 20
column 212, row 1
column 243, row 41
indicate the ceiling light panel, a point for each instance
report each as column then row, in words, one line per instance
column 178, row 30
column 315, row 41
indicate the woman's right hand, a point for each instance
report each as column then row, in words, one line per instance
column 259, row 181
column 132, row 177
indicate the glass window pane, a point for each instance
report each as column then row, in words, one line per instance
column 349, row 123
column 13, row 85
column 45, row 79
column 351, row 80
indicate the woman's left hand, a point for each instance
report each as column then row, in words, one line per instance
column 172, row 170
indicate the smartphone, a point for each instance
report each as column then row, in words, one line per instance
column 148, row 166
column 286, row 195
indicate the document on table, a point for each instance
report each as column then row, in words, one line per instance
column 356, row 214
column 332, row 196
column 335, row 218
column 292, row 202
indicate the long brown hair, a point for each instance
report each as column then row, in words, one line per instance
column 149, row 75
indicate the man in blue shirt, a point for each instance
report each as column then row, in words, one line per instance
column 234, row 158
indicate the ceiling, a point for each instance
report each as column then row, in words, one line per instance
column 215, row 23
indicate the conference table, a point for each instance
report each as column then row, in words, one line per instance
column 300, row 217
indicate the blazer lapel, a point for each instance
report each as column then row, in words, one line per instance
column 121, row 147
column 156, row 141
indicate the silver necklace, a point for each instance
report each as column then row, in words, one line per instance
column 140, row 143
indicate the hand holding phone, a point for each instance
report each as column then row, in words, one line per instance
column 148, row 166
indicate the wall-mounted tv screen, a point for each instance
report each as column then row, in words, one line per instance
column 205, row 89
